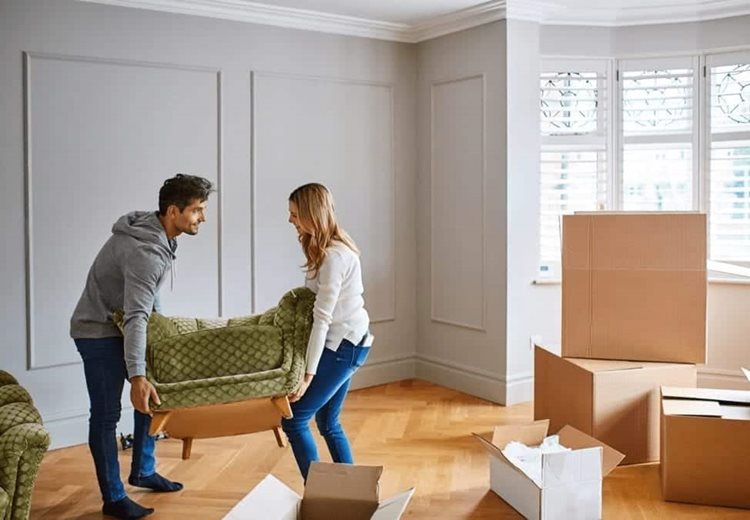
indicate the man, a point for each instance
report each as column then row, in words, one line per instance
column 127, row 274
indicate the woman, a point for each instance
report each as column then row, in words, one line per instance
column 339, row 341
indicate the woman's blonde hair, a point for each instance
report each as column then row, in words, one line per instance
column 315, row 210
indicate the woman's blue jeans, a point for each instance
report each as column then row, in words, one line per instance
column 104, row 367
column 324, row 399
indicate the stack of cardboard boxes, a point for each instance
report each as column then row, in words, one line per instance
column 633, row 319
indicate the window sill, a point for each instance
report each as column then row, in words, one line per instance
column 712, row 280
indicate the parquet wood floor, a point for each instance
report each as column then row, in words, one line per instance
column 420, row 432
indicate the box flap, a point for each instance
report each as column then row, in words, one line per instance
column 330, row 480
column 604, row 365
column 271, row 499
column 741, row 413
column 531, row 434
column 707, row 394
column 500, row 457
column 576, row 439
column 747, row 374
column 690, row 407
column 351, row 490
column 394, row 507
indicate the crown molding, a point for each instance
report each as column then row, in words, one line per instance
column 264, row 14
column 550, row 12
column 553, row 12
column 458, row 21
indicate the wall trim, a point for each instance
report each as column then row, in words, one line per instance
column 28, row 175
column 255, row 75
column 386, row 370
column 436, row 319
column 502, row 389
column 549, row 12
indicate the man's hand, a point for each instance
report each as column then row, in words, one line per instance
column 140, row 392
column 301, row 389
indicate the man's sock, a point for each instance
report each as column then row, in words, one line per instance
column 126, row 509
column 155, row 482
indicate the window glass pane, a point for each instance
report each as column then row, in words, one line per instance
column 730, row 200
column 572, row 180
column 730, row 98
column 657, row 177
column 657, row 102
column 569, row 103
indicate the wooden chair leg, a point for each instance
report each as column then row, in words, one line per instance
column 187, row 445
column 279, row 437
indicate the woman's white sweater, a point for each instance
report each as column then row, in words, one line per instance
column 339, row 312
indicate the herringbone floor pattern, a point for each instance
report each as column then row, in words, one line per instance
column 420, row 432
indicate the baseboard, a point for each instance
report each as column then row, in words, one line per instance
column 469, row 380
column 722, row 378
column 519, row 389
column 382, row 371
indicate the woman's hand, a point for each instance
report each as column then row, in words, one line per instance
column 301, row 389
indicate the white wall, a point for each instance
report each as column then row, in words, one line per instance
column 120, row 99
column 462, row 211
column 728, row 346
column 523, row 298
column 582, row 41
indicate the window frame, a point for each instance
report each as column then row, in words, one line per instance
column 615, row 140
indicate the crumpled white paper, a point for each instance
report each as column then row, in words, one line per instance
column 529, row 459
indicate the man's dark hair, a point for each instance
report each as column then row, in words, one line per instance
column 183, row 189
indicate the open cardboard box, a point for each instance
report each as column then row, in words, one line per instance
column 571, row 481
column 332, row 491
column 705, row 446
column 616, row 402
column 634, row 286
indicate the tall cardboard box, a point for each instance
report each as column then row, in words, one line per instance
column 634, row 286
column 616, row 402
column 705, row 446
column 570, row 486
column 332, row 491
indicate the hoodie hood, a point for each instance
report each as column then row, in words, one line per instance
column 145, row 226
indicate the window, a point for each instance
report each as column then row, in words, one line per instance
column 655, row 147
column 659, row 100
column 729, row 156
column 573, row 114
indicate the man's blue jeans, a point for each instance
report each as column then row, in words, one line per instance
column 324, row 399
column 104, row 367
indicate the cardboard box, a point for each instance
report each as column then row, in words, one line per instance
column 705, row 446
column 615, row 401
column 571, row 484
column 332, row 491
column 634, row 286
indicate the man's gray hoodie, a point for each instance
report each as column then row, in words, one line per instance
column 126, row 275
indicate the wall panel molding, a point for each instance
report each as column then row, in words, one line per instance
column 480, row 324
column 29, row 57
column 258, row 75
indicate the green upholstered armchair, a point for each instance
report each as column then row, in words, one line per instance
column 194, row 362
column 219, row 377
column 23, row 443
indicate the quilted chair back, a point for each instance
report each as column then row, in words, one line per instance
column 23, row 443
column 194, row 362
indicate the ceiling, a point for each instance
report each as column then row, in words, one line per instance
column 418, row 20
